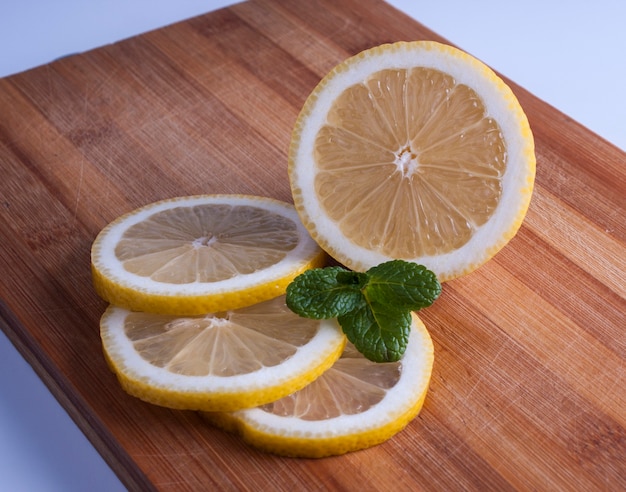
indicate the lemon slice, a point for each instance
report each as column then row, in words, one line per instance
column 193, row 255
column 225, row 361
column 413, row 151
column 354, row 405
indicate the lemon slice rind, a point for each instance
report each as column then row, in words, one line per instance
column 127, row 289
column 159, row 386
column 500, row 103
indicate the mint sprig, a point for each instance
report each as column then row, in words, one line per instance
column 372, row 308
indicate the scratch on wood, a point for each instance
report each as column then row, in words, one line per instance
column 78, row 193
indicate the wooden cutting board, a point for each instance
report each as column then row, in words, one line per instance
column 528, row 390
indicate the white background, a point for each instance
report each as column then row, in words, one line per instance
column 570, row 54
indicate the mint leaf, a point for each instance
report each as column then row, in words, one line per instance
column 373, row 308
column 379, row 332
column 323, row 293
column 402, row 284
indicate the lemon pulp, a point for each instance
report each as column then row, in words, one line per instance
column 419, row 141
column 206, row 243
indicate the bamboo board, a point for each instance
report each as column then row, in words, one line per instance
column 528, row 390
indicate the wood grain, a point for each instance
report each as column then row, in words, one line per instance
column 528, row 391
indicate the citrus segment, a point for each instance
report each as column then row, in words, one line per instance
column 223, row 361
column 413, row 151
column 192, row 255
column 354, row 405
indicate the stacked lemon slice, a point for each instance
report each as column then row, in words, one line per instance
column 414, row 151
column 163, row 267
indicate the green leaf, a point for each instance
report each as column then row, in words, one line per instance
column 373, row 308
column 402, row 284
column 324, row 293
column 379, row 332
